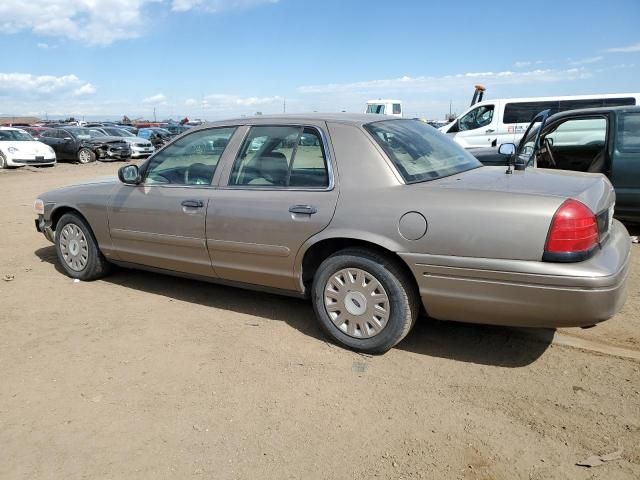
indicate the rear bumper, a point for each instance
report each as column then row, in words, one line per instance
column 526, row 293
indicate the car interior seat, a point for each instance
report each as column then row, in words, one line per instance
column 272, row 169
column 597, row 164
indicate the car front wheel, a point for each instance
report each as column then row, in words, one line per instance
column 364, row 300
column 86, row 155
column 78, row 250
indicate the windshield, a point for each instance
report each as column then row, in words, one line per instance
column 162, row 132
column 375, row 108
column 118, row 132
column 15, row 136
column 420, row 152
column 84, row 133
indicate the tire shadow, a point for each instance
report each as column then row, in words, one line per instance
column 498, row 346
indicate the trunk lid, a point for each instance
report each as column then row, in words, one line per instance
column 594, row 190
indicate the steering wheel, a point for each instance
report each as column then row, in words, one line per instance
column 547, row 145
column 197, row 174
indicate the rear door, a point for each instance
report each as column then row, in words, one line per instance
column 625, row 168
column 161, row 222
column 277, row 192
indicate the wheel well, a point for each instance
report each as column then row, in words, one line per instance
column 60, row 211
column 318, row 252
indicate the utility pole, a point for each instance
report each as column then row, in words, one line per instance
column 284, row 105
column 154, row 114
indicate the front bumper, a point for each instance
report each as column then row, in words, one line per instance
column 526, row 293
column 140, row 152
column 31, row 160
column 114, row 154
column 44, row 227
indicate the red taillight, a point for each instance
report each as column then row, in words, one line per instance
column 574, row 229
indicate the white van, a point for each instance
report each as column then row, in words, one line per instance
column 490, row 123
column 385, row 107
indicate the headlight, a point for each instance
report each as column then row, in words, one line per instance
column 12, row 149
column 38, row 207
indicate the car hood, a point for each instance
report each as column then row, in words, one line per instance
column 27, row 148
column 100, row 140
column 592, row 189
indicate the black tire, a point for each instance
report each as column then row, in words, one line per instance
column 86, row 155
column 404, row 301
column 3, row 162
column 96, row 265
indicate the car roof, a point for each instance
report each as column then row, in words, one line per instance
column 594, row 111
column 10, row 128
column 358, row 119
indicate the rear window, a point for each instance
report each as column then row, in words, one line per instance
column 629, row 132
column 419, row 151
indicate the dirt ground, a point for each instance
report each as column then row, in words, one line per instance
column 146, row 376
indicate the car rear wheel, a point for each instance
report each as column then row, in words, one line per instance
column 86, row 155
column 78, row 250
column 364, row 300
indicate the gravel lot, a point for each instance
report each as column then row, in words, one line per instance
column 146, row 376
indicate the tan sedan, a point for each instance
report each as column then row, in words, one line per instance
column 371, row 217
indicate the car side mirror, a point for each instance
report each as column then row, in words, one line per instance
column 129, row 175
column 507, row 149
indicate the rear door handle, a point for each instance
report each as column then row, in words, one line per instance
column 193, row 203
column 489, row 130
column 303, row 209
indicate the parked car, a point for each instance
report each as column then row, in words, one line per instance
column 35, row 132
column 85, row 145
column 596, row 140
column 157, row 136
column 140, row 148
column 175, row 129
column 412, row 220
column 18, row 148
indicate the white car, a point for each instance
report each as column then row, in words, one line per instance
column 18, row 148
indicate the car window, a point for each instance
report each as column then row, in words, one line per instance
column 375, row 108
column 524, row 112
column 397, row 109
column 629, row 132
column 281, row 156
column 420, row 152
column 579, row 131
column 192, row 160
column 477, row 118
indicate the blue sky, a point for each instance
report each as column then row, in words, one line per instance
column 221, row 58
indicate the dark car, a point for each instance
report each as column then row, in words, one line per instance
column 595, row 140
column 85, row 145
column 175, row 129
column 157, row 136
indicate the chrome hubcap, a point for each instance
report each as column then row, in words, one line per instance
column 84, row 156
column 73, row 246
column 356, row 303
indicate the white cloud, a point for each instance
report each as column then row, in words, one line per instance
column 18, row 86
column 448, row 82
column 628, row 49
column 586, row 61
column 98, row 22
column 216, row 5
column 522, row 64
column 43, row 46
column 190, row 102
column 159, row 98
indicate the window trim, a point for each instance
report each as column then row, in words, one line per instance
column 619, row 147
column 325, row 146
column 145, row 166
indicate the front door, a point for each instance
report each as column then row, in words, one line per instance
column 625, row 169
column 161, row 222
column 280, row 191
column 476, row 128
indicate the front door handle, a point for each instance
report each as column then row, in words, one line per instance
column 193, row 203
column 303, row 209
column 489, row 130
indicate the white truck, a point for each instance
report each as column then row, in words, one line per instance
column 385, row 107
